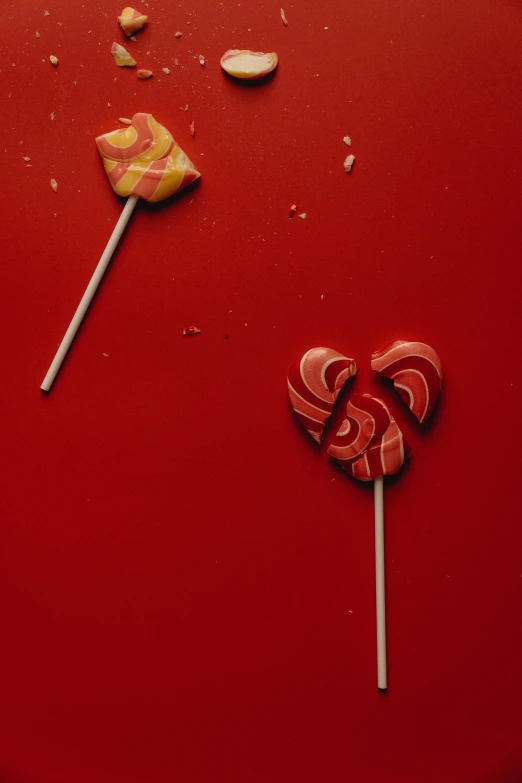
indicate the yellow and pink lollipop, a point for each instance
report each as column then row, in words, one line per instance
column 142, row 161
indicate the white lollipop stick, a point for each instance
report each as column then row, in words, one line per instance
column 379, row 583
column 89, row 293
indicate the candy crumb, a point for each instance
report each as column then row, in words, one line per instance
column 283, row 17
column 106, row 355
column 292, row 211
column 125, row 120
column 176, row 63
column 54, row 185
column 166, row 70
column 348, row 163
column 52, row 115
column 46, row 13
column 53, row 59
column 178, row 34
column 347, row 140
column 142, row 73
column 27, row 159
column 109, row 105
column 192, row 129
column 184, row 108
column 189, row 330
column 201, row 60
column 302, row 216
column 133, row 38
column 37, row 35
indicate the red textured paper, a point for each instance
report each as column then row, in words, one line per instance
column 187, row 586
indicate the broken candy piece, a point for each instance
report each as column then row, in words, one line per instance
column 121, row 56
column 37, row 35
column 178, row 34
column 192, row 129
column 201, row 60
column 416, row 372
column 188, row 330
column 131, row 21
column 314, row 381
column 348, row 163
column 244, row 64
column 302, row 216
column 292, row 211
column 53, row 59
column 283, row 17
column 125, row 120
column 142, row 73
column 367, row 418
column 166, row 71
column 347, row 140
column 54, row 185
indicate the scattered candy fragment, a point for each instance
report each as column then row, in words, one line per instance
column 133, row 38
column 53, row 59
column 46, row 13
column 142, row 73
column 144, row 160
column 176, row 61
column 347, row 140
column 166, row 70
column 27, row 159
column 52, row 115
column 302, row 216
column 131, row 20
column 348, row 163
column 191, row 330
column 201, row 60
column 37, row 35
column 416, row 372
column 121, row 56
column 283, row 18
column 292, row 211
column 192, row 129
column 184, row 108
column 314, row 382
column 54, row 185
column 244, row 64
column 178, row 34
column 125, row 120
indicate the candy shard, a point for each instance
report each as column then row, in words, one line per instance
column 121, row 56
column 385, row 456
column 189, row 330
column 144, row 160
column 348, row 163
column 347, row 140
column 244, row 64
column 125, row 120
column 53, row 59
column 283, row 18
column 314, row 382
column 201, row 60
column 142, row 73
column 192, row 129
column 54, row 185
column 367, row 419
column 416, row 372
column 131, row 20
column 292, row 211
column 302, row 216
column 166, row 71
column 178, row 34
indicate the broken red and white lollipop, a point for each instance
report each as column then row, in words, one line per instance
column 416, row 372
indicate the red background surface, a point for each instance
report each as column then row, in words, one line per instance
column 186, row 583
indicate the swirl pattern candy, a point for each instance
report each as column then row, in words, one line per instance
column 314, row 381
column 416, row 372
column 131, row 20
column 121, row 56
column 144, row 160
column 367, row 419
column 384, row 457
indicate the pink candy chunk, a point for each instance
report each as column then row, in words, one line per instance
column 314, row 382
column 384, row 457
column 416, row 372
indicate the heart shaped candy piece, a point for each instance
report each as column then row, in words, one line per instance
column 416, row 372
column 367, row 419
column 314, row 381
